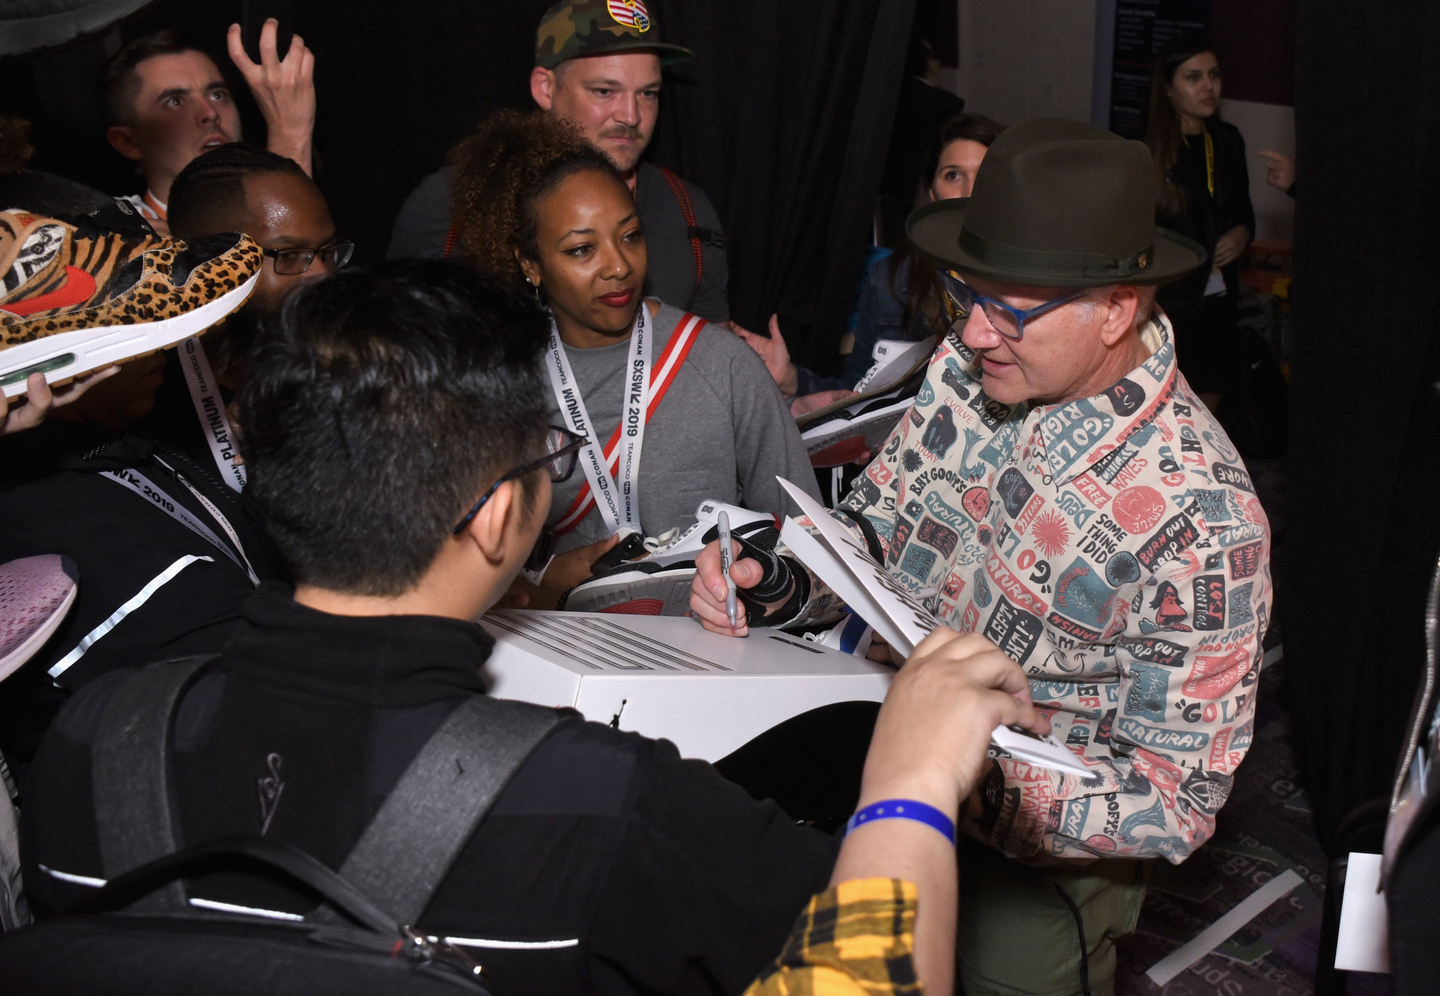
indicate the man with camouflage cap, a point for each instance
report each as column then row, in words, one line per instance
column 597, row 65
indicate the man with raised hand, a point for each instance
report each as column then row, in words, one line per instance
column 1058, row 488
column 165, row 103
column 597, row 65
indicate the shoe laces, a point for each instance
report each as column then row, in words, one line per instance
column 656, row 543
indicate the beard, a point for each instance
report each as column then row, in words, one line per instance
column 623, row 157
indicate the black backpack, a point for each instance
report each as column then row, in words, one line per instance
column 140, row 934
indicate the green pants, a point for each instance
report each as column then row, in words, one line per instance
column 1018, row 936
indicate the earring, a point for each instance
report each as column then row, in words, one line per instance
column 536, row 288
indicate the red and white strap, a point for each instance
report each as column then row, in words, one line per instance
column 661, row 377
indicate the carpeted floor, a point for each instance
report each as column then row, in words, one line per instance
column 1263, row 829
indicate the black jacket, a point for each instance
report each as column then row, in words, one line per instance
column 54, row 499
column 1208, row 216
column 607, row 865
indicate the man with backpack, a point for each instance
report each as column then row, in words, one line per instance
column 395, row 439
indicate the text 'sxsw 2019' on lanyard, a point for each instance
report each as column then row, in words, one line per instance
column 611, row 475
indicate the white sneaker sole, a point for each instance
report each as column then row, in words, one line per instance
column 635, row 596
column 66, row 355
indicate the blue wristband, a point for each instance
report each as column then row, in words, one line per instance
column 904, row 809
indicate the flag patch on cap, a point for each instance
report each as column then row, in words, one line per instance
column 631, row 13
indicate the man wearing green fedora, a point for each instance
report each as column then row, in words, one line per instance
column 1058, row 488
column 597, row 65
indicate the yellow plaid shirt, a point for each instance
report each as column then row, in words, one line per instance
column 857, row 939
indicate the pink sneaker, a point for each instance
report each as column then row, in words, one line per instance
column 36, row 594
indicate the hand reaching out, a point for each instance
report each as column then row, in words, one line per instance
column 807, row 403
column 284, row 89
column 40, row 400
column 774, row 352
column 565, row 572
column 1279, row 170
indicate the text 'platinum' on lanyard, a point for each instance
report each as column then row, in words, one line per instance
column 210, row 409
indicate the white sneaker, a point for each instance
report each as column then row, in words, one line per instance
column 680, row 545
column 638, row 588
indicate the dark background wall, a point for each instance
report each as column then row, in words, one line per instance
column 783, row 118
column 1364, row 467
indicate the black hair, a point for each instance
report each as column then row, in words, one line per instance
column 118, row 83
column 924, row 294
column 209, row 193
column 376, row 409
column 971, row 127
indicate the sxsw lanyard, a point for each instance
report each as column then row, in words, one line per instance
column 615, row 494
column 210, row 409
column 155, row 495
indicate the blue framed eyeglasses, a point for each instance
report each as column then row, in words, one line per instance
column 562, row 450
column 1008, row 321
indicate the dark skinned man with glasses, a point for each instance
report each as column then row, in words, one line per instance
column 183, row 456
column 1058, row 488
column 239, row 188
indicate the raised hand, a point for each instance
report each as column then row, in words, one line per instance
column 284, row 89
column 774, row 352
column 1279, row 170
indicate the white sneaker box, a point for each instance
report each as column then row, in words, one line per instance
column 666, row 677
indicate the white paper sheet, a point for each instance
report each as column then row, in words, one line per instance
column 897, row 615
column 1364, row 942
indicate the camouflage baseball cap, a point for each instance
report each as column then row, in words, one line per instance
column 575, row 28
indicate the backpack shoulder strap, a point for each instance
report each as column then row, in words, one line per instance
column 133, row 784
column 407, row 850
column 677, row 187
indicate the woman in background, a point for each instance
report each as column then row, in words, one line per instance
column 1204, row 194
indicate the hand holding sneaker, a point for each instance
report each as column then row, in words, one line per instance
column 40, row 400
column 75, row 299
column 565, row 572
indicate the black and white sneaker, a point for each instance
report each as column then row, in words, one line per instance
column 635, row 589
column 677, row 546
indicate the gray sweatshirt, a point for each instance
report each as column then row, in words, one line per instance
column 722, row 431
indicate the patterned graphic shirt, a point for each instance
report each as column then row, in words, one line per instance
column 1114, row 547
column 855, row 939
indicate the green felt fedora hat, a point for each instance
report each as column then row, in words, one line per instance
column 1058, row 204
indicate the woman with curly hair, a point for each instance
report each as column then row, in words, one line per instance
column 542, row 210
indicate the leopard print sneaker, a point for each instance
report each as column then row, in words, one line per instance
column 73, row 300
